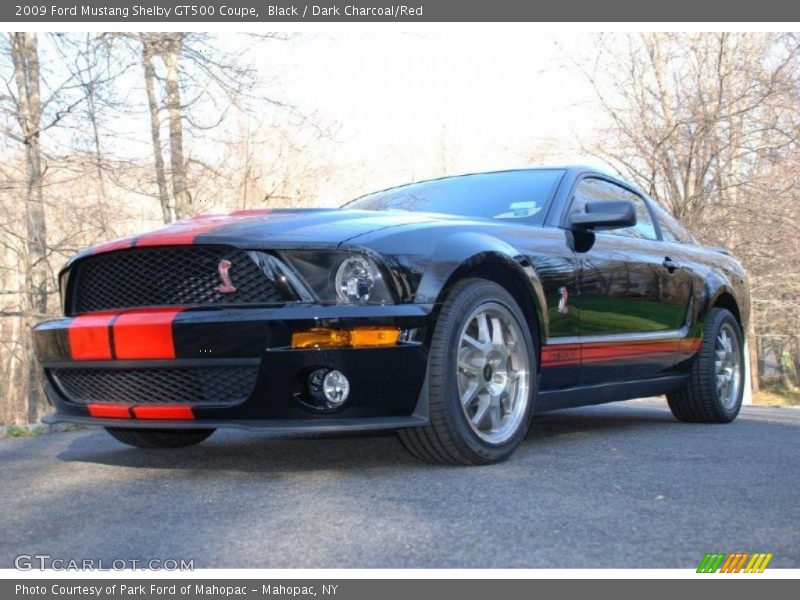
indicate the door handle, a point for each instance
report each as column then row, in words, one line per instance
column 670, row 265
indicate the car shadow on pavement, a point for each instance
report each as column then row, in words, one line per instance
column 598, row 419
column 233, row 450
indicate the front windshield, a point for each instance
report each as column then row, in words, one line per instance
column 505, row 195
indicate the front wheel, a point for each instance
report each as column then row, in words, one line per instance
column 481, row 374
column 716, row 386
column 159, row 438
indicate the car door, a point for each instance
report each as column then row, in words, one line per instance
column 556, row 266
column 632, row 297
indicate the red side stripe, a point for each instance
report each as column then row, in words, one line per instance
column 574, row 354
column 591, row 353
column 692, row 344
column 163, row 412
column 109, row 411
column 561, row 355
column 89, row 336
column 145, row 334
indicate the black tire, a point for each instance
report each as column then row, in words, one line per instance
column 159, row 438
column 449, row 439
column 699, row 401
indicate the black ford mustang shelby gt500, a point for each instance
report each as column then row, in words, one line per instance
column 450, row 310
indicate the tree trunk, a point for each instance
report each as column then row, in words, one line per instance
column 167, row 211
column 174, row 111
column 98, row 155
column 25, row 57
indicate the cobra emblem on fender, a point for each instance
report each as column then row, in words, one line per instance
column 226, row 287
column 562, row 303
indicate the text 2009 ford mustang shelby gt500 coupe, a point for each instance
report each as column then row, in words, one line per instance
column 450, row 310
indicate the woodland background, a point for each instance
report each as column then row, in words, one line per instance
column 707, row 124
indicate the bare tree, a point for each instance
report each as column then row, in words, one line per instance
column 167, row 209
column 171, row 52
column 201, row 85
column 707, row 124
column 25, row 56
column 78, row 167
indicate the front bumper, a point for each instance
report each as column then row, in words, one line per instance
column 210, row 348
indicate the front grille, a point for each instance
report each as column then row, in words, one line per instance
column 153, row 386
column 176, row 276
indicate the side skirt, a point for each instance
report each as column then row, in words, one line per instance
column 547, row 400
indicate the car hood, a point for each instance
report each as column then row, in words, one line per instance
column 270, row 228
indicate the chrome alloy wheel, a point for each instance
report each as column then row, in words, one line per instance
column 728, row 366
column 493, row 373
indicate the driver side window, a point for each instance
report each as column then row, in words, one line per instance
column 592, row 189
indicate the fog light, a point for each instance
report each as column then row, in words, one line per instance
column 328, row 389
column 336, row 388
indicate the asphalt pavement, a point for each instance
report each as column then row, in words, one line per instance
column 619, row 485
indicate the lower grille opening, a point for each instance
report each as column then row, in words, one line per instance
column 153, row 386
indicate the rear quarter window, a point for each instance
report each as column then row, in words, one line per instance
column 671, row 230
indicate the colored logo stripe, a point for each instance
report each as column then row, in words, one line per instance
column 758, row 563
column 710, row 563
column 733, row 563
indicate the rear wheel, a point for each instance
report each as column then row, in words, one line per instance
column 714, row 391
column 159, row 438
column 481, row 374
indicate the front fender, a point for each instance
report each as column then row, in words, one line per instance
column 457, row 255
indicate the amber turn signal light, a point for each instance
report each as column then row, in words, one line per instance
column 360, row 337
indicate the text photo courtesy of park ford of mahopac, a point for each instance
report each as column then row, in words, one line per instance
column 457, row 297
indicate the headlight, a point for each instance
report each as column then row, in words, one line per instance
column 340, row 277
column 355, row 280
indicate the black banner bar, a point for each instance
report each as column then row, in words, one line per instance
column 389, row 589
column 405, row 11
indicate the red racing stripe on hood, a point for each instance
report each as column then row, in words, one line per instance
column 121, row 244
column 182, row 233
column 185, row 232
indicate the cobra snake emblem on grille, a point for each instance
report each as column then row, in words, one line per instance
column 226, row 287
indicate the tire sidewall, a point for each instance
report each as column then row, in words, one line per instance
column 725, row 317
column 466, row 302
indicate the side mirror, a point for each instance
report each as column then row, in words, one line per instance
column 615, row 214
